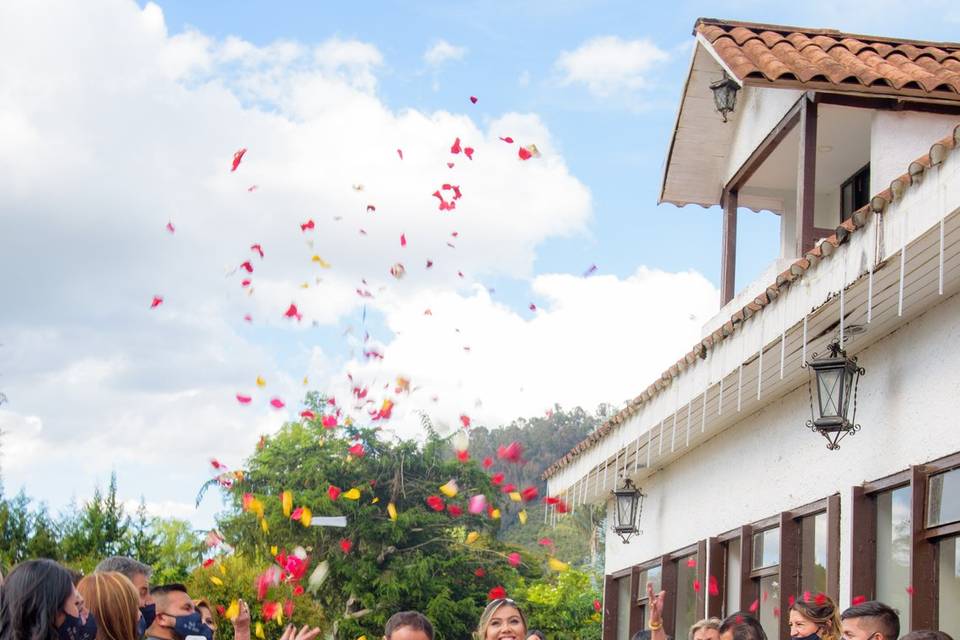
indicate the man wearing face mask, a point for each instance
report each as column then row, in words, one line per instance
column 139, row 574
column 177, row 618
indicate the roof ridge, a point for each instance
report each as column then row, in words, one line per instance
column 939, row 150
column 822, row 31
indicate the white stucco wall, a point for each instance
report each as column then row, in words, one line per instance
column 760, row 111
column 898, row 137
column 770, row 462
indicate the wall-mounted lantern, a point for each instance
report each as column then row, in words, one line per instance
column 836, row 377
column 725, row 94
column 628, row 503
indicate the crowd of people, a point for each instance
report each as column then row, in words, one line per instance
column 812, row 617
column 43, row 600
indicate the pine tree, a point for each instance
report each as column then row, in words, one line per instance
column 143, row 537
column 43, row 535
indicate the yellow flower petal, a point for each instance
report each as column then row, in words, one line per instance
column 306, row 516
column 515, row 496
column 472, row 537
column 352, row 494
column 375, row 501
column 264, row 526
column 258, row 631
column 557, row 565
column 223, row 569
column 495, row 514
column 286, row 498
column 274, row 550
column 392, row 511
column 522, row 516
column 217, row 581
column 320, row 261
column 261, row 382
column 450, row 489
column 232, row 611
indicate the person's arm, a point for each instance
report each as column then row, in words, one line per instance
column 241, row 624
column 655, row 604
column 306, row 633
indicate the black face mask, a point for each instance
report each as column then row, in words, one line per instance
column 812, row 636
column 74, row 628
column 147, row 615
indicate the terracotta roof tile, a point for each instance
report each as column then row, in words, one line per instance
column 879, row 202
column 827, row 59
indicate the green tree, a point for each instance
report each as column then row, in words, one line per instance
column 14, row 529
column 44, row 541
column 144, row 543
column 563, row 607
column 178, row 550
column 424, row 559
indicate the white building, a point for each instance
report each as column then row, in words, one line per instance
column 854, row 141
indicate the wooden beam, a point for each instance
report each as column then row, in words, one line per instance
column 767, row 146
column 610, row 599
column 886, row 104
column 833, row 547
column 923, row 558
column 716, row 565
column 806, row 173
column 863, row 556
column 728, row 250
column 668, row 583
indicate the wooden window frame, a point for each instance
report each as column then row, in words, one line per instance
column 924, row 578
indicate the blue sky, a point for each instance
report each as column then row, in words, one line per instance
column 139, row 129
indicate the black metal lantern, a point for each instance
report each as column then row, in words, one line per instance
column 628, row 503
column 725, row 94
column 836, row 377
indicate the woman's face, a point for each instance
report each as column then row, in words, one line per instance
column 207, row 616
column 801, row 626
column 73, row 606
column 506, row 624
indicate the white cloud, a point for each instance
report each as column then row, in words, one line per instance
column 441, row 52
column 592, row 340
column 609, row 65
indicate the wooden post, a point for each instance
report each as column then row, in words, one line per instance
column 702, row 579
column 610, row 599
column 668, row 583
column 924, row 601
column 806, row 173
column 728, row 251
column 863, row 533
column 833, row 547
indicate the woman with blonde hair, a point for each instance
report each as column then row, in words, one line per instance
column 114, row 603
column 815, row 618
column 502, row 619
column 207, row 614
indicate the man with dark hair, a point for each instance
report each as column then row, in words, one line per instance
column 138, row 572
column 408, row 625
column 924, row 634
column 176, row 618
column 870, row 621
column 741, row 626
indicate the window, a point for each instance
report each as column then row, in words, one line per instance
column 948, row 552
column 686, row 611
column 813, row 553
column 766, row 548
column 855, row 192
column 893, row 551
column 769, row 603
column 733, row 577
column 623, row 608
column 652, row 575
column 943, row 498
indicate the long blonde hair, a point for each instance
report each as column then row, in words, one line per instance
column 491, row 609
column 114, row 602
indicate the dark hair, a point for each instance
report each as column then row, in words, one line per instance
column 164, row 589
column 536, row 632
column 30, row 599
column 885, row 617
column 415, row 620
column 926, row 634
column 743, row 626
